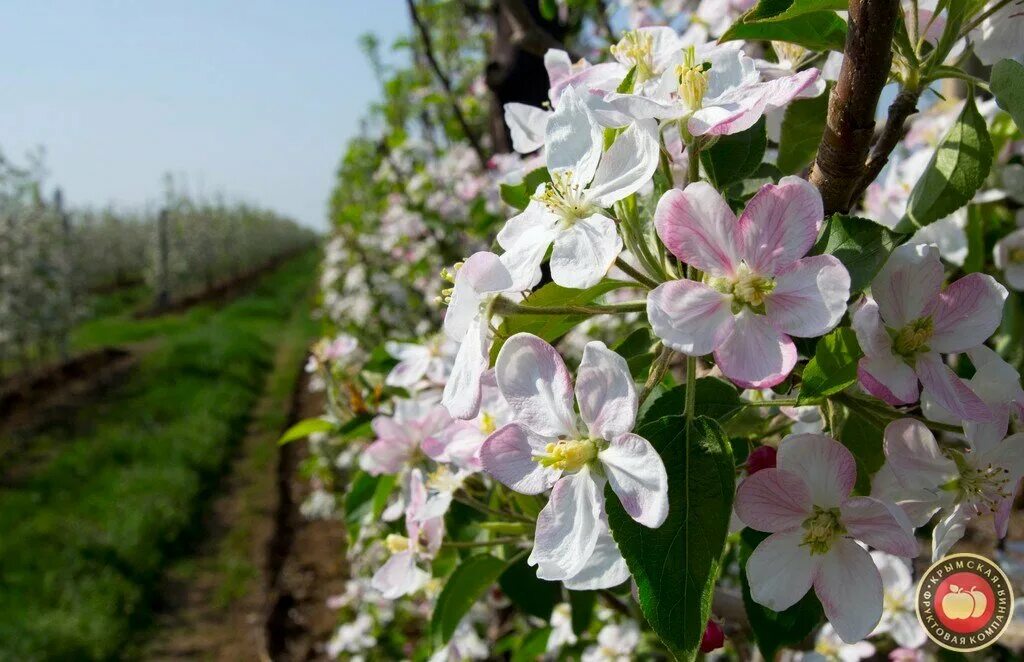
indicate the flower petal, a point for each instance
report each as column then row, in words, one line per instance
column 637, row 476
column 525, row 238
column 850, row 590
column 605, row 392
column 689, row 317
column 697, row 226
column 461, row 395
column 888, row 379
column 627, row 165
column 399, row 576
column 809, row 297
column 825, row 465
column 949, row 391
column 773, row 500
column 883, row 526
column 568, row 527
column 527, row 125
column 967, row 313
column 914, row 456
column 780, row 224
column 781, row 570
column 749, row 103
column 604, row 569
column 536, row 384
column 908, row 284
column 755, row 354
column 574, row 140
column 584, row 253
column 508, row 455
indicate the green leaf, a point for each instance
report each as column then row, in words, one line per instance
column 957, row 169
column 735, row 157
column 533, row 645
column 531, row 594
column 774, row 630
column 676, row 565
column 549, row 10
column 715, row 398
column 626, row 86
column 864, row 439
column 779, row 10
column 361, row 492
column 833, row 367
column 815, row 30
column 1007, row 85
column 304, row 429
column 636, row 349
column 358, row 427
column 975, row 231
column 861, row 245
column 552, row 327
column 381, row 494
column 464, row 587
column 582, row 605
column 802, row 127
column 518, row 195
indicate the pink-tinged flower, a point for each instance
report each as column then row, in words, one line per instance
column 430, row 361
column 829, row 647
column 911, row 321
column 997, row 383
column 717, row 89
column 758, row 288
column 545, row 448
column 340, row 351
column 1009, row 258
column 805, row 504
column 1000, row 35
column 459, row 443
column 922, row 479
column 567, row 212
column 478, row 282
column 899, row 611
column 401, row 575
column 398, row 437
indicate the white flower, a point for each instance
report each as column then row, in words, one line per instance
column 431, row 361
column 1009, row 257
column 545, row 449
column 829, row 647
column 899, row 614
column 615, row 643
column 562, row 633
column 568, row 211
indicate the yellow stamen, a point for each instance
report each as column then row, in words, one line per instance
column 568, row 455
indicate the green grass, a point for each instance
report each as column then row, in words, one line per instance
column 84, row 538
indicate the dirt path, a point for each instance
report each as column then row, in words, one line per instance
column 256, row 584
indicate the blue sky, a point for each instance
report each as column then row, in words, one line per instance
column 254, row 99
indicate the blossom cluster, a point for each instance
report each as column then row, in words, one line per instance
column 646, row 323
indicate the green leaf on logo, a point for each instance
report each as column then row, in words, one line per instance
column 676, row 565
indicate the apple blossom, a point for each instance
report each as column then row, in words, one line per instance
column 1001, row 34
column 716, row 89
column 562, row 633
column 962, row 484
column 758, row 287
column 477, row 283
column 399, row 437
column 568, row 211
column 1009, row 258
column 911, row 321
column 899, row 611
column 615, row 643
column 430, row 361
column 830, row 647
column 401, row 574
column 545, row 448
column 815, row 527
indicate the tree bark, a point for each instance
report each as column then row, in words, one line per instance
column 842, row 154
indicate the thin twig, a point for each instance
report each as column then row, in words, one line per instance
column 635, row 274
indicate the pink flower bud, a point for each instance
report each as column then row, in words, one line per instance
column 762, row 457
column 714, row 637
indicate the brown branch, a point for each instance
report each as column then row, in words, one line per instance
column 428, row 51
column 902, row 107
column 850, row 124
column 530, row 37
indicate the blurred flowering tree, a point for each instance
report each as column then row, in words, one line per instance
column 702, row 318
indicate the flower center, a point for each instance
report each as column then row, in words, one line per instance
column 746, row 287
column 693, row 79
column 567, row 454
column 565, row 198
column 788, row 53
column 636, row 49
column 443, row 480
column 983, row 487
column 895, row 602
column 487, row 423
column 448, row 275
column 822, row 528
column 396, row 543
column 913, row 338
column 1016, row 256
